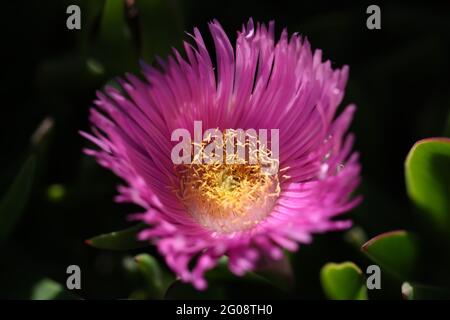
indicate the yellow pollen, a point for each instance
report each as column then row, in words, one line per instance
column 230, row 195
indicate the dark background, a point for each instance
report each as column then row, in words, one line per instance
column 399, row 79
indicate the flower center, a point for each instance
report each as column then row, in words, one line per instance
column 227, row 197
column 231, row 195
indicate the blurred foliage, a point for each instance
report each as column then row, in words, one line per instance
column 412, row 291
column 343, row 281
column 120, row 240
column 398, row 78
column 400, row 253
column 13, row 203
column 395, row 252
column 427, row 174
column 47, row 289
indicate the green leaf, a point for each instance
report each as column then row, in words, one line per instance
column 427, row 171
column 161, row 27
column 113, row 28
column 157, row 281
column 343, row 281
column 47, row 289
column 396, row 251
column 13, row 203
column 414, row 291
column 114, row 49
column 119, row 240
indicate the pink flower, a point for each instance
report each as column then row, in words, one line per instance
column 196, row 213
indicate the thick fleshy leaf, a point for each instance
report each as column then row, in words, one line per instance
column 47, row 289
column 15, row 199
column 427, row 171
column 119, row 240
column 157, row 281
column 343, row 281
column 396, row 252
column 414, row 291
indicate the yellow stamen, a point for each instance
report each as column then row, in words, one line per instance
column 230, row 196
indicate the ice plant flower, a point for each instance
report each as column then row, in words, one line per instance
column 196, row 213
